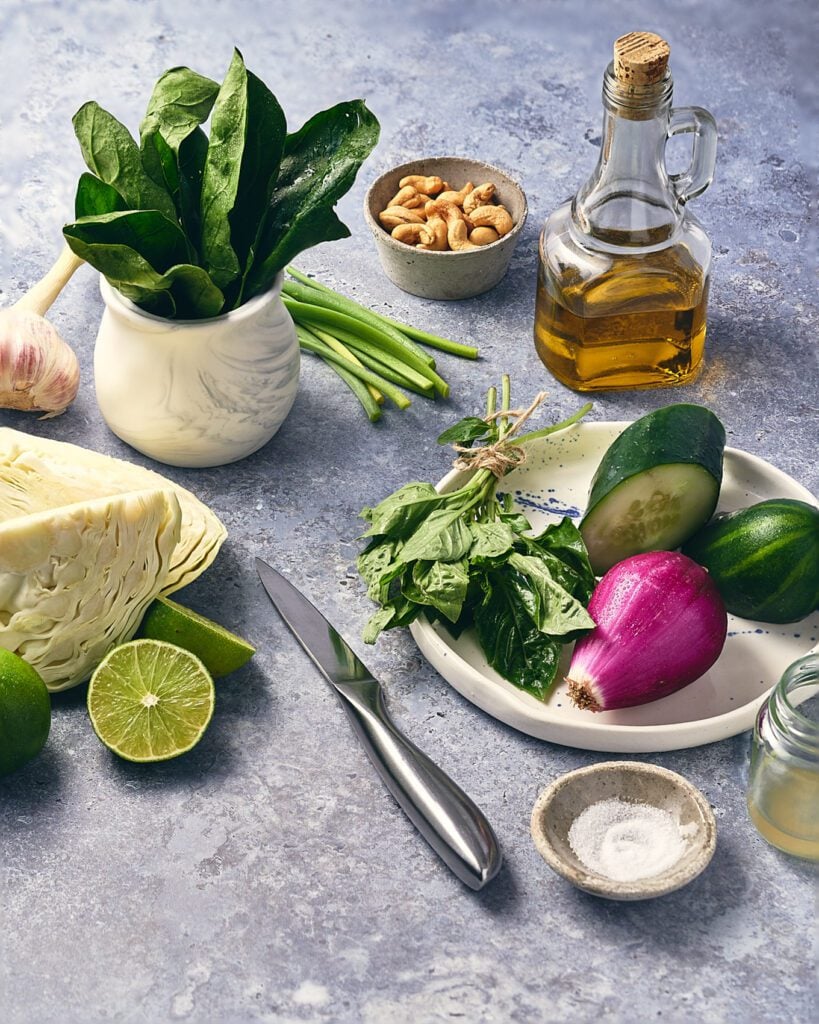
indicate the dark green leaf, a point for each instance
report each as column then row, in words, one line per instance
column 158, row 240
column 155, row 149
column 378, row 567
column 94, row 197
column 552, row 608
column 442, row 585
column 563, row 540
column 511, row 641
column 180, row 102
column 442, row 536
column 183, row 290
column 319, row 165
column 112, row 155
column 518, row 522
column 247, row 140
column 465, row 431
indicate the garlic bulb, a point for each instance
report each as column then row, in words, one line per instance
column 38, row 370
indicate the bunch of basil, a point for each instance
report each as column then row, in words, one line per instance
column 464, row 558
column 188, row 226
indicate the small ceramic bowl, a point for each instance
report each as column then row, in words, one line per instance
column 445, row 275
column 568, row 796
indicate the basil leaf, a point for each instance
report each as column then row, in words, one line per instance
column 551, row 606
column 94, row 197
column 491, row 540
column 518, row 522
column 563, row 540
column 319, row 165
column 378, row 568
column 441, row 585
column 399, row 514
column 442, row 536
column 511, row 641
column 465, row 431
column 246, row 144
column 158, row 240
column 112, row 155
column 399, row 612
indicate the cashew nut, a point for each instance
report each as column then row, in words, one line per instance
column 411, row 234
column 457, row 197
column 479, row 196
column 436, row 229
column 483, row 236
column 395, row 215
column 496, row 217
column 430, row 184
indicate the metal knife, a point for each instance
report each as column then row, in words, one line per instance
column 444, row 815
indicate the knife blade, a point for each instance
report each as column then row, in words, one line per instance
column 445, row 816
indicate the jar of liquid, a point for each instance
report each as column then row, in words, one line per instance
column 623, row 273
column 783, row 787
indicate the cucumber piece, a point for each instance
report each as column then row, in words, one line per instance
column 764, row 559
column 657, row 484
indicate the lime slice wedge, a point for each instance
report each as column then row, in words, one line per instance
column 221, row 651
column 150, row 701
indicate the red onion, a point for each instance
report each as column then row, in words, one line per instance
column 660, row 624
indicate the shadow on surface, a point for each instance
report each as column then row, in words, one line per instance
column 39, row 782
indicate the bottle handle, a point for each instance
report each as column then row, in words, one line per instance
column 700, row 172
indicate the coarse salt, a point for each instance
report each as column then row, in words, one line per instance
column 626, row 842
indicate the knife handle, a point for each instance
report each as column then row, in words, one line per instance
column 444, row 815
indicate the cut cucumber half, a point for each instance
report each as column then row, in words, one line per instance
column 657, row 484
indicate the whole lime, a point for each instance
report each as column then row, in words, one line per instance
column 25, row 712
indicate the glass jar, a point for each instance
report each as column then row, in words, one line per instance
column 783, row 786
column 624, row 266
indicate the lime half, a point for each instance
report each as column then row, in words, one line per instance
column 25, row 712
column 150, row 700
column 221, row 651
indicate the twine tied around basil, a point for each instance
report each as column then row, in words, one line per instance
column 502, row 455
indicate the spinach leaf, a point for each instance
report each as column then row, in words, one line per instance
column 181, row 101
column 95, row 197
column 247, row 139
column 158, row 240
column 183, row 290
column 511, row 641
column 319, row 165
column 112, row 155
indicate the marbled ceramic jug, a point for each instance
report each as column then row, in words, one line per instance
column 196, row 392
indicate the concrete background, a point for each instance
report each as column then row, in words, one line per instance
column 267, row 876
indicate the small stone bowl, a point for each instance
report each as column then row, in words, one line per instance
column 568, row 796
column 445, row 275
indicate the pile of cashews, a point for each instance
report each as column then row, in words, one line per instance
column 428, row 214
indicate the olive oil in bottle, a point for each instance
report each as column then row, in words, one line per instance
column 623, row 271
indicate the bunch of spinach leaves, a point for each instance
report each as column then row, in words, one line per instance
column 465, row 558
column 191, row 226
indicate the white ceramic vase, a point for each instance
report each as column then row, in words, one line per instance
column 196, row 392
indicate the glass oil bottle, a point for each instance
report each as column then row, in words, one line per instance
column 624, row 267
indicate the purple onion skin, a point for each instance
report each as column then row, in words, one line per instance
column 661, row 624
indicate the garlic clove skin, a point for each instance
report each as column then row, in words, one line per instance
column 38, row 370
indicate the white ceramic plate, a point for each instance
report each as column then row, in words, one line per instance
column 555, row 482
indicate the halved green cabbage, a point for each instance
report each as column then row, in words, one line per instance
column 75, row 581
column 38, row 474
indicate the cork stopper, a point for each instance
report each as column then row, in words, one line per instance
column 640, row 58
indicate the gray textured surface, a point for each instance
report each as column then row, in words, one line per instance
column 267, row 875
